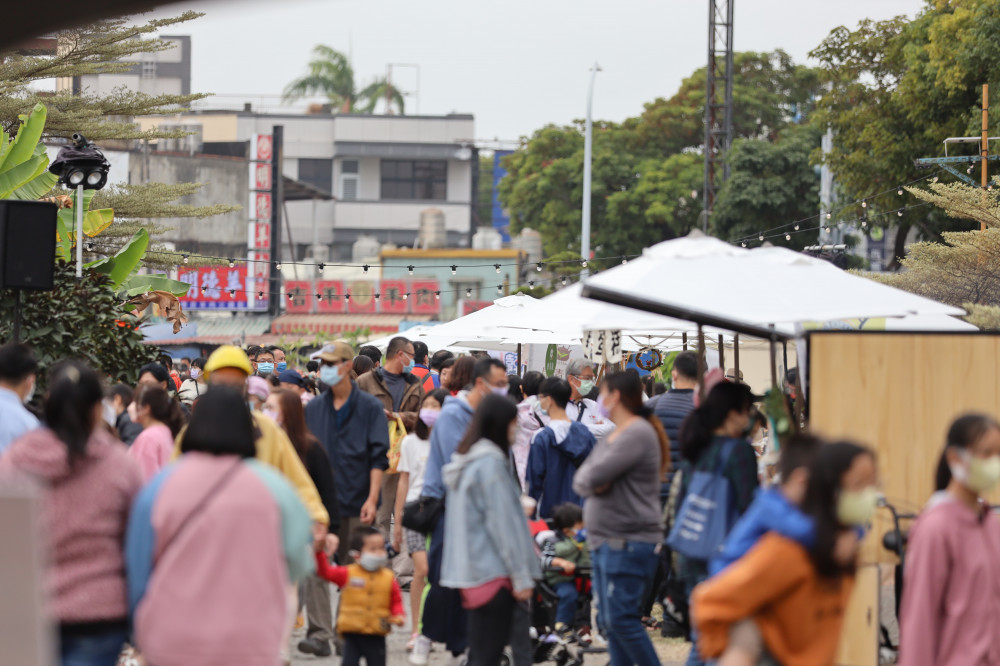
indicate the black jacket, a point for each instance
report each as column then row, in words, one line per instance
column 672, row 408
column 318, row 465
column 128, row 431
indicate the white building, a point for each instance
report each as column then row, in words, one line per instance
column 166, row 72
column 383, row 171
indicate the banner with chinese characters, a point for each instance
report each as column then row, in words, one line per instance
column 362, row 296
column 259, row 222
column 215, row 288
column 603, row 346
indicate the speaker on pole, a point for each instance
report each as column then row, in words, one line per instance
column 27, row 244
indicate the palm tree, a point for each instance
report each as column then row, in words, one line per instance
column 331, row 74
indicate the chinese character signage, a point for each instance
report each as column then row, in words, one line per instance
column 359, row 297
column 259, row 218
column 214, row 288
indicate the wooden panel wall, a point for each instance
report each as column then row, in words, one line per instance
column 896, row 393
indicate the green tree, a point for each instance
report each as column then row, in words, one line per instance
column 771, row 183
column 897, row 88
column 331, row 74
column 79, row 319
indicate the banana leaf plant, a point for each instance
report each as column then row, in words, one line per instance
column 94, row 222
column 24, row 161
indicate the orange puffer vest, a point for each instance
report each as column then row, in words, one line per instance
column 365, row 602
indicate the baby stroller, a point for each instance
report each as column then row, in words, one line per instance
column 550, row 646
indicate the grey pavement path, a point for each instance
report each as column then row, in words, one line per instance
column 397, row 648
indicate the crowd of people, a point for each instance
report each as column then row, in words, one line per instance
column 203, row 513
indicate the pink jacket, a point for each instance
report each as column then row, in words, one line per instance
column 951, row 587
column 85, row 511
column 152, row 450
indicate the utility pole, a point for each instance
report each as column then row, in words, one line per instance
column 588, row 149
column 984, row 152
column 718, row 114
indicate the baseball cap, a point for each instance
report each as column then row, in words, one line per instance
column 336, row 351
column 258, row 386
column 290, row 377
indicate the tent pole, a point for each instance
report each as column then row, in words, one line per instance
column 736, row 352
column 684, row 339
column 784, row 352
column 519, row 373
column 774, row 361
column 722, row 354
column 702, row 364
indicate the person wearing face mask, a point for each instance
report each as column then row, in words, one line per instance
column 620, row 482
column 280, row 360
column 161, row 419
column 557, row 450
column 264, row 363
column 194, row 386
column 412, row 462
column 371, row 601
column 400, row 392
column 951, row 581
column 488, row 551
column 17, row 386
column 352, row 427
column 784, row 603
column 713, row 440
column 444, row 619
column 582, row 380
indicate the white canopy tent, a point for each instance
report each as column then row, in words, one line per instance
column 712, row 282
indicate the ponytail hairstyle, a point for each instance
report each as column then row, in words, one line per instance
column 629, row 387
column 74, row 391
column 827, row 470
column 963, row 434
column 700, row 425
column 164, row 409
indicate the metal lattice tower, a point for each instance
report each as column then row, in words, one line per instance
column 718, row 101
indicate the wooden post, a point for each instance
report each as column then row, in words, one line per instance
column 684, row 339
column 736, row 352
column 774, row 361
column 984, row 146
column 722, row 355
column 702, row 365
column 519, row 366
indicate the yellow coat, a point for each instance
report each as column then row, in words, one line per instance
column 274, row 448
column 365, row 602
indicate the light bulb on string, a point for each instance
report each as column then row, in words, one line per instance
column 827, row 228
column 829, row 215
column 232, row 262
column 899, row 213
column 468, row 293
column 538, row 267
column 347, row 296
column 760, row 236
column 291, row 297
column 584, row 263
column 624, row 260
column 277, row 266
column 788, row 237
column 202, row 291
column 796, row 226
column 969, row 170
column 454, row 269
column 900, row 191
column 365, row 267
column 320, row 267
column 184, row 257
column 864, row 204
column 499, row 289
column 437, row 295
column 744, row 243
column 377, row 295
column 260, row 295
column 410, row 269
column 497, row 266
column 531, row 285
column 864, row 224
column 232, row 293
column 563, row 281
column 319, row 297
column 406, row 296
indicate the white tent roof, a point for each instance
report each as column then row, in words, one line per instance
column 760, row 287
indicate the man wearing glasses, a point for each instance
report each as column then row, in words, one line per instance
column 352, row 427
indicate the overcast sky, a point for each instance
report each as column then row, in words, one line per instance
column 517, row 65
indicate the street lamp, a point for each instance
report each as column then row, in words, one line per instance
column 588, row 149
column 84, row 167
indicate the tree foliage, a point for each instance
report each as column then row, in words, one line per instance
column 331, row 75
column 648, row 171
column 79, row 319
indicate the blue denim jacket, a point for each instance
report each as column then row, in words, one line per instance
column 485, row 532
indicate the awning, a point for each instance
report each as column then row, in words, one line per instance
column 333, row 324
column 404, row 151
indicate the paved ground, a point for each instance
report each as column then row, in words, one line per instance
column 672, row 652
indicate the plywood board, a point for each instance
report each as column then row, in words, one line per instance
column 859, row 638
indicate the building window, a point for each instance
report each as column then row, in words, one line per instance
column 149, row 69
column 350, row 180
column 318, row 173
column 414, row 179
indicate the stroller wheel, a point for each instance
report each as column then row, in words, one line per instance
column 507, row 658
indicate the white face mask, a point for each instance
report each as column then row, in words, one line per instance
column 30, row 394
column 195, row 373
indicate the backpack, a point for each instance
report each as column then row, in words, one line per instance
column 707, row 513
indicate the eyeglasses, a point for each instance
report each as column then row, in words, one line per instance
column 332, row 364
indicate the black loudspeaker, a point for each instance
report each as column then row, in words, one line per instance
column 27, row 244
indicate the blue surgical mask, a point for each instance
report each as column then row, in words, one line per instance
column 282, row 366
column 329, row 375
column 409, row 366
column 264, row 369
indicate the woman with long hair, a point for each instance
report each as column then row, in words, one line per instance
column 713, row 439
column 461, row 374
column 782, row 603
column 223, row 524
column 90, row 483
column 951, row 582
column 620, row 481
column 161, row 419
column 285, row 407
column 414, row 450
column 488, row 551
